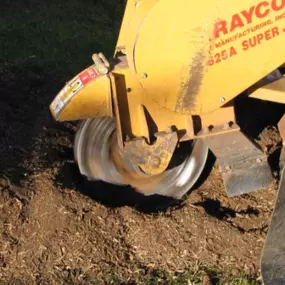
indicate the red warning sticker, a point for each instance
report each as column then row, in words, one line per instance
column 88, row 75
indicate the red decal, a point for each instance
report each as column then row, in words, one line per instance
column 280, row 17
column 217, row 58
column 275, row 32
column 280, row 7
column 260, row 38
column 262, row 10
column 248, row 14
column 220, row 27
column 222, row 56
column 88, row 75
column 236, row 22
column 233, row 51
column 259, row 14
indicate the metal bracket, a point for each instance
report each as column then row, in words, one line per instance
column 243, row 165
column 101, row 63
column 152, row 159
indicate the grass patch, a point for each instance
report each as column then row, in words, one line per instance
column 45, row 43
column 56, row 38
column 199, row 276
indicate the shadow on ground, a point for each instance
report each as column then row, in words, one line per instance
column 34, row 67
column 214, row 209
column 113, row 196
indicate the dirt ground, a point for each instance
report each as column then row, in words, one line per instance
column 56, row 229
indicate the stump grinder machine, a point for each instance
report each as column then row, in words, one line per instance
column 152, row 112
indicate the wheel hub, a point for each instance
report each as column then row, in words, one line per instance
column 100, row 157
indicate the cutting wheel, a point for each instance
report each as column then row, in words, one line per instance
column 99, row 157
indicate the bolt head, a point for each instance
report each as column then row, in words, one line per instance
column 223, row 100
column 144, row 75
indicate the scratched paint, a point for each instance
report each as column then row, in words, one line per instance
column 190, row 90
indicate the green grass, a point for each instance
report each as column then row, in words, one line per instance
column 44, row 43
column 56, row 37
column 188, row 277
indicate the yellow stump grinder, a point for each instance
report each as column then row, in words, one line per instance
column 172, row 85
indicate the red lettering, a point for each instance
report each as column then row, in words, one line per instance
column 220, row 27
column 236, row 22
column 233, row 52
column 245, row 17
column 221, row 56
column 245, row 45
column 280, row 17
column 211, row 62
column 248, row 14
column 256, row 40
column 275, row 31
column 224, row 55
column 268, row 35
column 258, row 12
column 259, row 38
column 252, row 42
column 275, row 7
column 217, row 57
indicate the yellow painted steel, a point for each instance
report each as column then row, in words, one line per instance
column 92, row 100
column 193, row 65
column 274, row 92
column 129, row 11
column 141, row 116
column 184, row 59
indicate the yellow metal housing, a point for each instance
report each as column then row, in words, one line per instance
column 83, row 97
column 199, row 57
column 273, row 92
column 179, row 63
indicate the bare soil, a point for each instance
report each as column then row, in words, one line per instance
column 56, row 229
